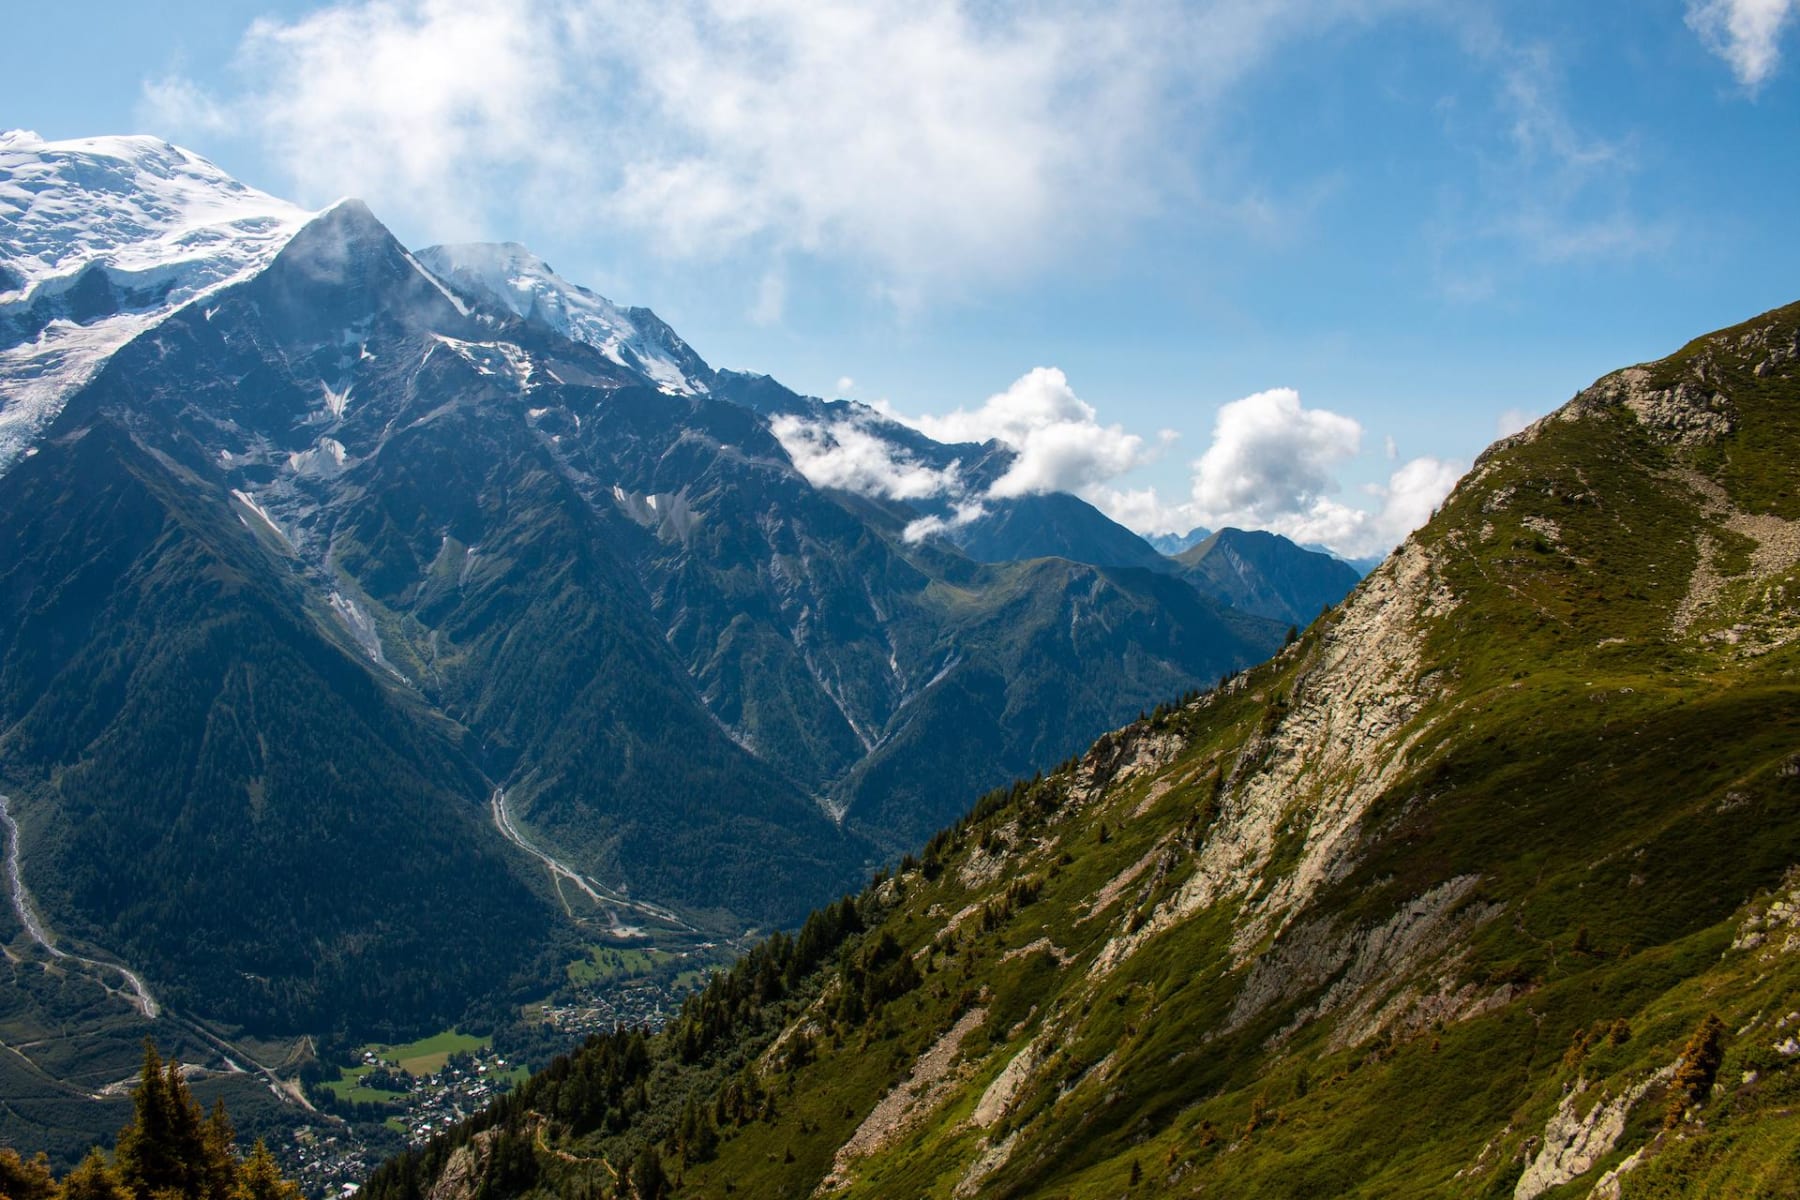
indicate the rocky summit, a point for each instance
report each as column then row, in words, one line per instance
column 1487, row 885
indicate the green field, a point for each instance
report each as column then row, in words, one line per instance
column 426, row 1056
column 348, row 1086
column 612, row 962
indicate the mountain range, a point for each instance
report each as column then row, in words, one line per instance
column 1487, row 885
column 381, row 628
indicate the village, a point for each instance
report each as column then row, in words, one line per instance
column 400, row 1096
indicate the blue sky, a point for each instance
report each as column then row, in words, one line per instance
column 1324, row 249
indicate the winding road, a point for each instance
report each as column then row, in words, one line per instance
column 595, row 891
column 139, row 995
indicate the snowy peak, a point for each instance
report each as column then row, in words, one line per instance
column 100, row 239
column 137, row 204
column 510, row 275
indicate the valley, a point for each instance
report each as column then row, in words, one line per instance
column 139, row 995
column 480, row 742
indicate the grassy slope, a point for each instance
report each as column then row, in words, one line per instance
column 1591, row 802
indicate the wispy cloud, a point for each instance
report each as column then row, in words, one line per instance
column 931, row 143
column 1745, row 33
column 1545, row 188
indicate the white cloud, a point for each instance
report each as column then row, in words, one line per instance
column 847, row 454
column 1061, row 445
column 1270, row 457
column 931, row 142
column 930, row 526
column 845, row 385
column 1273, row 464
column 1745, row 33
column 175, row 103
column 1412, row 494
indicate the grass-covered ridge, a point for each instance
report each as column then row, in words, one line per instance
column 1484, row 887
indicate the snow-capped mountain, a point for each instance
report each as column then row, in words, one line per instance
column 511, row 276
column 100, row 239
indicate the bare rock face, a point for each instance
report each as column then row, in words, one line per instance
column 1574, row 1141
column 462, row 1174
column 1687, row 413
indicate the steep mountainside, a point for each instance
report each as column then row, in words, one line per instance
column 1487, row 886
column 1266, row 574
column 327, row 580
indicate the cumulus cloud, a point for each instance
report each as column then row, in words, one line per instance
column 1057, row 441
column 1273, row 464
column 1745, row 33
column 1271, row 456
column 931, row 141
column 846, row 453
column 1060, row 444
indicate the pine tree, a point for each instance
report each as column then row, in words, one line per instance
column 218, row 1155
column 260, row 1179
column 1700, row 1060
column 169, row 1150
column 647, row 1176
column 148, row 1156
column 25, row 1178
column 94, row 1179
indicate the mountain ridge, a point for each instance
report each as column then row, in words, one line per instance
column 332, row 500
column 1485, row 885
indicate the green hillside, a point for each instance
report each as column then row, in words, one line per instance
column 1484, row 887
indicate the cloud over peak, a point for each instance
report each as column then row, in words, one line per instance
column 1273, row 463
column 1057, row 437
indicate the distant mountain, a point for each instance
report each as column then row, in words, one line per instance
column 1266, row 574
column 1053, row 524
column 375, row 634
column 1172, row 544
column 1362, row 565
column 1487, row 886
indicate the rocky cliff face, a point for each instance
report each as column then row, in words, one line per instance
column 1439, row 901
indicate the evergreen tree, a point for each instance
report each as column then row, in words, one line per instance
column 94, row 1179
column 149, row 1157
column 647, row 1176
column 25, row 1179
column 169, row 1150
column 260, row 1179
